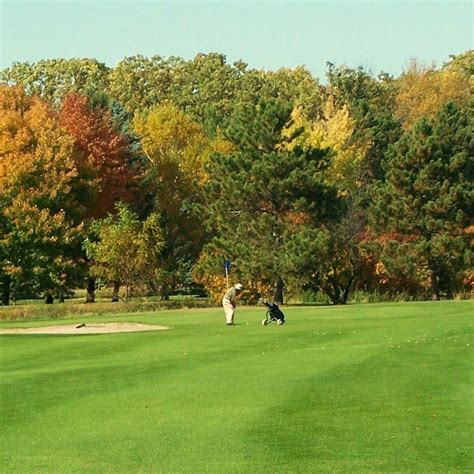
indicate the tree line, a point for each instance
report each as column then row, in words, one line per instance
column 151, row 174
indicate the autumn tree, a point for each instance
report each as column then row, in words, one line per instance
column 145, row 131
column 334, row 129
column 39, row 240
column 423, row 90
column 177, row 149
column 106, row 174
column 104, row 161
column 124, row 250
column 463, row 63
column 207, row 87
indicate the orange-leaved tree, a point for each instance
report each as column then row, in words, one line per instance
column 103, row 159
column 106, row 175
column 39, row 241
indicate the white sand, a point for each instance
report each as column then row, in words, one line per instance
column 93, row 328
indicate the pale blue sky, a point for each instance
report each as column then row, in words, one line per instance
column 379, row 35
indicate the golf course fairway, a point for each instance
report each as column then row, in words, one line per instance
column 358, row 388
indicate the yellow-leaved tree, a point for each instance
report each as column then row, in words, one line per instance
column 423, row 90
column 333, row 130
column 177, row 149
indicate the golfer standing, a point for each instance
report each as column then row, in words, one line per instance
column 229, row 303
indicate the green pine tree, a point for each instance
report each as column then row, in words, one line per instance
column 262, row 199
column 426, row 201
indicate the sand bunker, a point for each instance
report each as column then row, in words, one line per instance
column 93, row 328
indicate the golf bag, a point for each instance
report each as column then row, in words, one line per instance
column 274, row 313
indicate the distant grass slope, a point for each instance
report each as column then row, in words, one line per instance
column 385, row 387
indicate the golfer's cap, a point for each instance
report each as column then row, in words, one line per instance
column 239, row 286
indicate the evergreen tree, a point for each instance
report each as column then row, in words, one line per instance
column 426, row 201
column 263, row 198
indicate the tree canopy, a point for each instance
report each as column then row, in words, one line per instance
column 154, row 172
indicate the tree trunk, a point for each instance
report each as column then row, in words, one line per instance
column 6, row 281
column 49, row 298
column 347, row 290
column 61, row 296
column 90, row 297
column 164, row 292
column 331, row 294
column 278, row 295
column 333, row 291
column 115, row 294
column 173, row 285
column 434, row 286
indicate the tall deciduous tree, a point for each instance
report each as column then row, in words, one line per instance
column 104, row 161
column 39, row 241
column 296, row 87
column 423, row 90
column 106, row 174
column 176, row 148
column 463, row 63
column 371, row 106
column 124, row 249
column 140, row 83
column 53, row 79
column 208, row 87
column 334, row 129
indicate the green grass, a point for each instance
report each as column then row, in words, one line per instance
column 383, row 387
